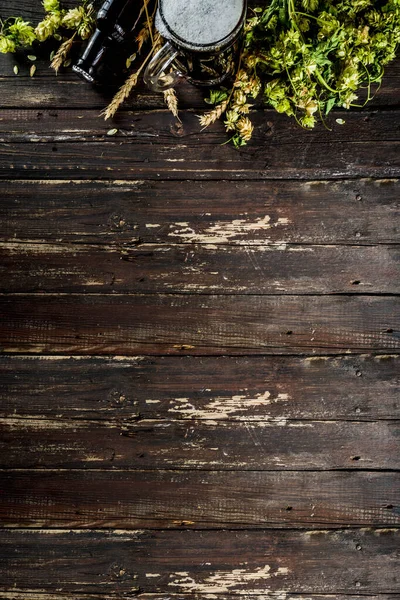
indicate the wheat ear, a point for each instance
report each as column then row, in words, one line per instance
column 144, row 34
column 171, row 101
column 125, row 89
column 61, row 54
column 120, row 96
column 213, row 115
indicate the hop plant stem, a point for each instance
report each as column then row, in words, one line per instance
column 149, row 22
column 145, row 3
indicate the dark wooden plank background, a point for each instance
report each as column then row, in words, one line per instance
column 200, row 369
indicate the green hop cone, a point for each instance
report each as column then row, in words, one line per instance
column 48, row 27
column 308, row 121
column 6, row 45
column 283, row 106
column 232, row 118
column 51, row 6
column 81, row 20
column 85, row 30
column 22, row 32
column 74, row 18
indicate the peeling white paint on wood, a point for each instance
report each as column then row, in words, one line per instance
column 226, row 407
column 224, row 231
column 222, row 582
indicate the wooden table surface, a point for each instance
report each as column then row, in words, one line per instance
column 201, row 349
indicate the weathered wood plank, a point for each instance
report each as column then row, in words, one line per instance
column 326, row 388
column 45, row 91
column 265, row 444
column 198, row 499
column 221, row 212
column 209, row 162
column 170, row 324
column 201, row 562
column 67, row 90
column 199, row 269
column 158, row 130
column 29, row 9
column 183, row 596
column 149, row 148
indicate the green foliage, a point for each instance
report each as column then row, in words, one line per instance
column 310, row 56
column 51, row 6
column 216, row 96
column 15, row 32
column 80, row 19
column 320, row 52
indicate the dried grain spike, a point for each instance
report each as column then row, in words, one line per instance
column 61, row 54
column 120, row 96
column 171, row 101
column 213, row 115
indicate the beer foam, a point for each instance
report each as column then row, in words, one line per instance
column 202, row 22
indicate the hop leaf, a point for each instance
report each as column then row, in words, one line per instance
column 130, row 60
column 216, row 97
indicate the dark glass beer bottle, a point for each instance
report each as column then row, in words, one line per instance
column 114, row 24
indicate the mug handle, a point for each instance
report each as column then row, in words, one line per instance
column 156, row 76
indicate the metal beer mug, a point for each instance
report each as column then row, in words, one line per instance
column 202, row 42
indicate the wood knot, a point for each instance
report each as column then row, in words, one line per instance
column 118, row 222
column 269, row 128
column 177, row 129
